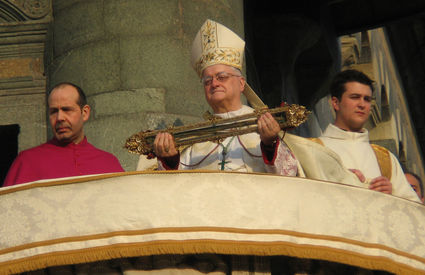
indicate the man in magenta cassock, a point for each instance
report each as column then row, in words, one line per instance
column 68, row 153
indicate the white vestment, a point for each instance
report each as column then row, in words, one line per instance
column 243, row 154
column 356, row 153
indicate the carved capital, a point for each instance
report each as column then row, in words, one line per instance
column 23, row 10
column 34, row 9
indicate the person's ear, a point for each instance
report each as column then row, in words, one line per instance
column 335, row 103
column 242, row 83
column 85, row 112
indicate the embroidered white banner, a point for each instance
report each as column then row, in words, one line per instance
column 87, row 219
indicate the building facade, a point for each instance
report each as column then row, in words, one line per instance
column 132, row 58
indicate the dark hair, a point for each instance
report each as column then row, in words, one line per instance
column 82, row 99
column 337, row 87
column 419, row 179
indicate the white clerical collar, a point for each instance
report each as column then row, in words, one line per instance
column 333, row 131
column 244, row 110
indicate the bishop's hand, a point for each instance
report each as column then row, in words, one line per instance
column 268, row 128
column 164, row 145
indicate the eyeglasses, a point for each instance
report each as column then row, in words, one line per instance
column 220, row 77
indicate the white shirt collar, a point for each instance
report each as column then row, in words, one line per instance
column 334, row 132
column 244, row 110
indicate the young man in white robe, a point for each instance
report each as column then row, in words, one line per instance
column 351, row 96
column 217, row 57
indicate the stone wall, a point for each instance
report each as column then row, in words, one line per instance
column 131, row 57
column 23, row 30
column 394, row 121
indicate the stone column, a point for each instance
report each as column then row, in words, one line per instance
column 132, row 58
column 23, row 28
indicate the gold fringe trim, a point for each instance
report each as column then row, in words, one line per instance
column 178, row 230
column 206, row 246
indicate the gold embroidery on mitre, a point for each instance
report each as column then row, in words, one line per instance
column 209, row 36
column 231, row 57
column 212, row 53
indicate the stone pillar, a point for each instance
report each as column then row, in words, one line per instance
column 132, row 58
column 23, row 29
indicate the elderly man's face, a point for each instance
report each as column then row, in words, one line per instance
column 353, row 110
column 65, row 115
column 223, row 88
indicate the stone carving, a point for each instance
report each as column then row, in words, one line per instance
column 34, row 9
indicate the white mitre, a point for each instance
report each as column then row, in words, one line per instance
column 216, row 44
